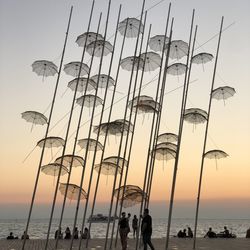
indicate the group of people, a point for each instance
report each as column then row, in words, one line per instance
column 12, row 237
column 185, row 233
column 146, row 229
column 75, row 234
column 224, row 234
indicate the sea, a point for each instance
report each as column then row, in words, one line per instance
column 38, row 227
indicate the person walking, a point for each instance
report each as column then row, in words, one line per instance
column 135, row 225
column 146, row 229
column 123, row 230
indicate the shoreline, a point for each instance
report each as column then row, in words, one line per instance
column 159, row 244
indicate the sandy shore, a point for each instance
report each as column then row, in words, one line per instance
column 175, row 244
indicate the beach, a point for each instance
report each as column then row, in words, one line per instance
column 175, row 244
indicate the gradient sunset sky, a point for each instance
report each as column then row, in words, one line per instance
column 34, row 30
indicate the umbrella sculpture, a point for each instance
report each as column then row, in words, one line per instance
column 51, row 142
column 73, row 191
column 164, row 153
column 99, row 47
column 91, row 144
column 196, row 110
column 131, row 62
column 139, row 99
column 44, row 68
column 35, row 118
column 89, row 101
column 215, row 154
column 167, row 137
column 195, row 117
column 89, row 36
column 133, row 26
column 223, row 93
column 176, row 69
column 152, row 61
column 73, row 69
column 166, row 145
column 202, row 58
column 178, row 49
column 127, row 190
column 82, row 83
column 70, row 160
column 114, row 160
column 156, row 43
column 103, row 80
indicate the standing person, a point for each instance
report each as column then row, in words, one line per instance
column 67, row 234
column 128, row 218
column 190, row 233
column 75, row 233
column 135, row 225
column 58, row 233
column 123, row 230
column 146, row 229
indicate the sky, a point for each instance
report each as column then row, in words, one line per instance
column 35, row 30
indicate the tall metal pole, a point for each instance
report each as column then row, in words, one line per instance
column 100, row 67
column 179, row 138
column 79, row 121
column 47, row 129
column 205, row 139
column 98, row 133
column 106, row 132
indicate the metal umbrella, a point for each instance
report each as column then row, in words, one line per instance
column 215, row 154
column 44, row 68
column 96, row 47
column 167, row 137
column 131, row 26
column 196, row 110
column 73, row 69
column 138, row 99
column 89, row 100
column 73, row 191
column 92, row 144
column 152, row 61
column 108, row 168
column 82, row 84
column 70, row 160
column 89, row 36
column 114, row 159
column 103, row 80
column 156, row 43
column 35, row 118
column 223, row 93
column 166, row 145
column 164, row 153
column 128, row 189
column 131, row 63
column 178, row 49
column 195, row 117
column 51, row 142
column 202, row 58
column 176, row 69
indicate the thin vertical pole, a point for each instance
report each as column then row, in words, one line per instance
column 205, row 139
column 98, row 79
column 47, row 129
column 179, row 138
column 101, row 117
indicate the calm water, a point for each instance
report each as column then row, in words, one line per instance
column 38, row 227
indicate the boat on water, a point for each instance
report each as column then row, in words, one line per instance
column 100, row 218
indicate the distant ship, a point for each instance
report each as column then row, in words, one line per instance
column 100, row 218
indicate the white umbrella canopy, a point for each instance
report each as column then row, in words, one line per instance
column 73, row 69
column 128, row 189
column 195, row 118
column 167, row 137
column 152, row 61
column 176, row 69
column 87, row 38
column 35, row 118
column 53, row 169
column 108, row 168
column 44, row 68
column 98, row 46
column 83, row 82
column 215, row 154
column 131, row 63
column 223, row 93
column 202, row 58
column 73, row 191
column 196, row 110
column 51, row 141
column 70, row 160
column 178, row 49
column 89, row 101
column 92, row 144
column 103, row 80
column 156, row 43
column 138, row 99
column 164, row 153
column 131, row 26
column 114, row 160
column 166, row 145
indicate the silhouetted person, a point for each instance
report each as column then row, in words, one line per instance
column 146, row 229
column 58, row 233
column 128, row 218
column 135, row 225
column 10, row 237
column 248, row 233
column 210, row 234
column 67, row 234
column 86, row 234
column 25, row 236
column 182, row 234
column 123, row 230
column 76, row 233
column 226, row 232
column 190, row 233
